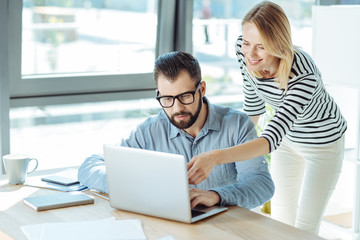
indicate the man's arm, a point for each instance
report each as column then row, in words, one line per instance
column 254, row 187
column 92, row 173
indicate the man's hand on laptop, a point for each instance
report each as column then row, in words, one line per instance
column 207, row 198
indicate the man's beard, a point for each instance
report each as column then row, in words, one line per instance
column 190, row 122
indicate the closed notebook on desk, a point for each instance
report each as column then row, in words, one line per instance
column 58, row 200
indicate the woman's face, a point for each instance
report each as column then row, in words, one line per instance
column 257, row 58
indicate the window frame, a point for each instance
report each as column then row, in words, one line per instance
column 76, row 88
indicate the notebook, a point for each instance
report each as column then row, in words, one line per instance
column 151, row 183
column 58, row 200
column 65, row 178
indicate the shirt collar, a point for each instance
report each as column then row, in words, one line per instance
column 212, row 122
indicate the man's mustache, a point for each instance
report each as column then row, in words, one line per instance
column 180, row 113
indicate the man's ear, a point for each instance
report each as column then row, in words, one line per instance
column 203, row 88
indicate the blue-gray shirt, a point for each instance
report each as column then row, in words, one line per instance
column 247, row 184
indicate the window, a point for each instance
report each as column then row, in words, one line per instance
column 88, row 36
column 72, row 48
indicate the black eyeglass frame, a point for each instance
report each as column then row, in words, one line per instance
column 178, row 96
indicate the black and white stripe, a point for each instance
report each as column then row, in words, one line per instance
column 305, row 113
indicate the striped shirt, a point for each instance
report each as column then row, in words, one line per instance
column 305, row 113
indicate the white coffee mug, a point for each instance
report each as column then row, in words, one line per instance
column 16, row 167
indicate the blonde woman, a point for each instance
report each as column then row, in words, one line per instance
column 306, row 134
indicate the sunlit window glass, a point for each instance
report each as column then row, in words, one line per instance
column 64, row 135
column 67, row 36
column 215, row 29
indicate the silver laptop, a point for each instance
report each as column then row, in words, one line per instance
column 151, row 183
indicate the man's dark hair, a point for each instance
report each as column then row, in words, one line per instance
column 171, row 64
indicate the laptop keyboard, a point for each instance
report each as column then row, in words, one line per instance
column 195, row 213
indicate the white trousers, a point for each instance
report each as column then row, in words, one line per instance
column 305, row 177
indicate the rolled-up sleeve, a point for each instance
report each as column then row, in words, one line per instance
column 92, row 173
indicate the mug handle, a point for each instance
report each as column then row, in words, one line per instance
column 37, row 163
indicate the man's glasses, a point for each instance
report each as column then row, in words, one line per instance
column 185, row 98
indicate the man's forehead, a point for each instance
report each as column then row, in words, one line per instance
column 180, row 83
column 181, row 75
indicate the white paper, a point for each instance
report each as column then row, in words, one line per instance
column 105, row 229
column 32, row 232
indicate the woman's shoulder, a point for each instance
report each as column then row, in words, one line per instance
column 303, row 64
column 304, row 71
column 301, row 53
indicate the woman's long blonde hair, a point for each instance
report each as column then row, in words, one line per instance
column 275, row 33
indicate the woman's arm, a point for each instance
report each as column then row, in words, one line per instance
column 200, row 166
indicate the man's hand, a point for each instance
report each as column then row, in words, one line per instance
column 200, row 167
column 207, row 198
